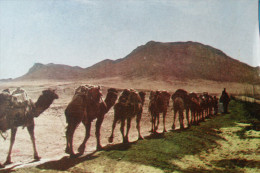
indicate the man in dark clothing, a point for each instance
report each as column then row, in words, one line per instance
column 225, row 100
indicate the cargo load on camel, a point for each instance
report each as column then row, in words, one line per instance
column 15, row 109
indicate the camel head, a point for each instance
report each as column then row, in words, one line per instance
column 165, row 96
column 111, row 96
column 151, row 97
column 44, row 101
column 50, row 93
column 142, row 95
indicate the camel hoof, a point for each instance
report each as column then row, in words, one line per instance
column 37, row 158
column 125, row 141
column 99, row 148
column 67, row 150
column 110, row 139
column 140, row 138
column 81, row 149
column 1, row 166
column 155, row 133
column 73, row 156
column 8, row 162
column 173, row 127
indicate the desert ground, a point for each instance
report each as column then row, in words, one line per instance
column 50, row 126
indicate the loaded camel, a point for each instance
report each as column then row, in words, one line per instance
column 181, row 102
column 159, row 102
column 85, row 106
column 14, row 114
column 129, row 105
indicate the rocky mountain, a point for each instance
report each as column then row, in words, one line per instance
column 158, row 61
column 53, row 71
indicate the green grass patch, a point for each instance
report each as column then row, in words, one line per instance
column 159, row 151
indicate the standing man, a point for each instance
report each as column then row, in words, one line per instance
column 225, row 100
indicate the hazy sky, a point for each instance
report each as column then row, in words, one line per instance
column 84, row 32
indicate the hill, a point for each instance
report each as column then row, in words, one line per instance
column 158, row 61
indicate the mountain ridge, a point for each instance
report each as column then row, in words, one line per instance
column 157, row 61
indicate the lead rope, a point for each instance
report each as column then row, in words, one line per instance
column 4, row 137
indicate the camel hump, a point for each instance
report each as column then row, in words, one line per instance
column 124, row 96
column 180, row 93
column 20, row 95
column 134, row 97
column 112, row 90
column 5, row 103
column 166, row 94
column 81, row 90
column 193, row 95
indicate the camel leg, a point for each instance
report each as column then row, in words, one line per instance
column 69, row 136
column 158, row 121
column 31, row 132
column 187, row 117
column 82, row 147
column 153, row 130
column 138, row 120
column 164, row 116
column 98, row 126
column 194, row 117
column 122, row 130
column 13, row 133
column 110, row 139
column 202, row 115
column 174, row 119
column 152, row 123
column 181, row 119
column 127, row 130
column 191, row 117
column 197, row 115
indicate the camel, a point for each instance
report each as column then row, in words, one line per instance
column 14, row 114
column 85, row 106
column 159, row 102
column 211, row 104
column 207, row 105
column 195, row 108
column 181, row 102
column 129, row 105
column 215, row 105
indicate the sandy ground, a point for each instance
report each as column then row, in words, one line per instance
column 50, row 126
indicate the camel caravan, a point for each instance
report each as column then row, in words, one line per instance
column 17, row 109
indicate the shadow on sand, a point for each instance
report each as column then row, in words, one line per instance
column 66, row 162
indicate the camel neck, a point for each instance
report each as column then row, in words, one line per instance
column 42, row 104
column 108, row 103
